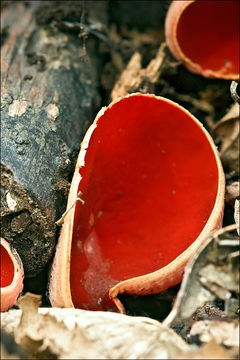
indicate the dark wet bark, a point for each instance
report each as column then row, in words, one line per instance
column 49, row 97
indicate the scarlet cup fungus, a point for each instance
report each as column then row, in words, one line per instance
column 205, row 36
column 152, row 188
column 12, row 275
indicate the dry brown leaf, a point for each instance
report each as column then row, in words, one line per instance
column 210, row 350
column 227, row 129
column 220, row 276
column 223, row 332
column 134, row 78
column 211, row 273
column 232, row 192
column 81, row 334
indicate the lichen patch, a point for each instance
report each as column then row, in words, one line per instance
column 52, row 111
column 17, row 108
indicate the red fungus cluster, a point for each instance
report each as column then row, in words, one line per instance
column 150, row 179
column 152, row 187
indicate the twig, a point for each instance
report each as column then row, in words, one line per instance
column 229, row 242
column 221, row 231
column 60, row 221
column 83, row 34
column 224, row 229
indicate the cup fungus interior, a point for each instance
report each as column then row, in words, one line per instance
column 7, row 268
column 149, row 183
column 208, row 34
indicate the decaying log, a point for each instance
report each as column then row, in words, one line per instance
column 49, row 96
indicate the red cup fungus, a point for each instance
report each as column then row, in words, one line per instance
column 12, row 275
column 152, row 189
column 204, row 34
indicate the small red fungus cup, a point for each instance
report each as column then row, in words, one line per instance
column 12, row 275
column 151, row 188
column 204, row 34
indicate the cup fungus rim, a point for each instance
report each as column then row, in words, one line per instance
column 10, row 293
column 174, row 13
column 60, row 293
